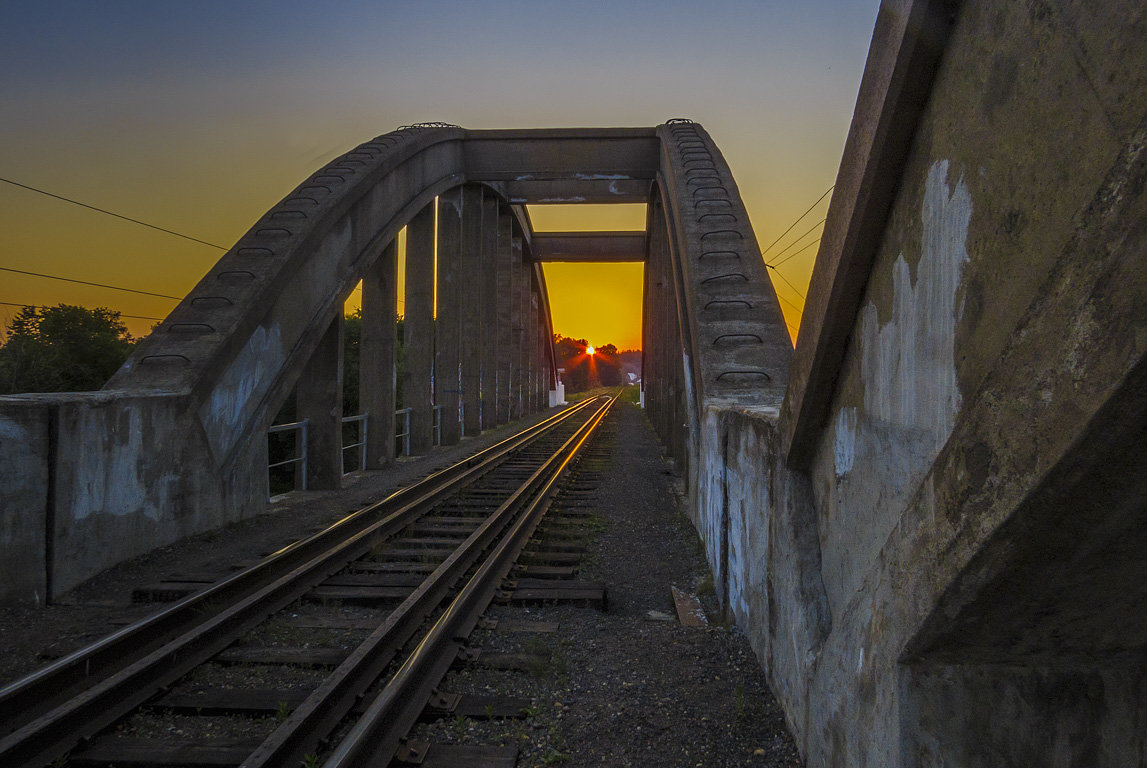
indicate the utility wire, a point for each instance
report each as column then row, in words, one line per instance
column 806, row 213
column 112, row 213
column 790, row 285
column 786, row 301
column 134, row 317
column 97, row 285
column 776, row 264
column 810, row 230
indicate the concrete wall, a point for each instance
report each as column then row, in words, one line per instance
column 951, row 573
column 24, row 471
column 91, row 479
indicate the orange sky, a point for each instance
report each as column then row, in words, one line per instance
column 597, row 302
column 199, row 119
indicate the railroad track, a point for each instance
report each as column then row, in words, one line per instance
column 406, row 579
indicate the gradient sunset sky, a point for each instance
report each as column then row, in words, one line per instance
column 199, row 116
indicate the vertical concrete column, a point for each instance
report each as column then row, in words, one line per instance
column 543, row 360
column 514, row 299
column 470, row 297
column 489, row 309
column 376, row 372
column 418, row 330
column 504, row 290
column 319, row 398
column 655, row 332
column 646, row 315
column 532, row 337
column 448, row 325
column 525, row 329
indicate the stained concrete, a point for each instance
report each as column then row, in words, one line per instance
column 24, row 503
column 945, row 567
column 377, row 356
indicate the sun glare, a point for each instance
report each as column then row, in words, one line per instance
column 589, row 349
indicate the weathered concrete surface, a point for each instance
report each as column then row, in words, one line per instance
column 319, row 401
column 24, row 503
column 418, row 330
column 949, row 572
column 107, row 467
column 377, row 373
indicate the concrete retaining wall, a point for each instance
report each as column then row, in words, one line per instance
column 24, row 469
column 91, row 479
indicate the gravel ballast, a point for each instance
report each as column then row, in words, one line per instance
column 630, row 686
column 627, row 686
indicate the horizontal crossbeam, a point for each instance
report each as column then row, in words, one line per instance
column 588, row 246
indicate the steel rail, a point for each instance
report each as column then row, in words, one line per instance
column 377, row 735
column 156, row 651
column 311, row 722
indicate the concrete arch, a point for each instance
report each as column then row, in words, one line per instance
column 175, row 443
column 714, row 333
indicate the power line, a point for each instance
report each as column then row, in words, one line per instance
column 776, row 264
column 794, row 306
column 806, row 213
column 134, row 317
column 97, row 285
column 794, row 242
column 790, row 285
column 112, row 213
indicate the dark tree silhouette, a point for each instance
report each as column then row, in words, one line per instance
column 64, row 348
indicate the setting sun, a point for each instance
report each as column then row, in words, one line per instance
column 589, row 349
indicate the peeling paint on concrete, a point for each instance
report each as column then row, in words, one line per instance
column 844, row 441
column 600, row 176
column 246, row 379
column 872, row 457
column 909, row 362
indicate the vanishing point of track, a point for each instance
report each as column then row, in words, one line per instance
column 468, row 524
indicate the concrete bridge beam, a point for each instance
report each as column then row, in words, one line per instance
column 469, row 291
column 514, row 299
column 489, row 289
column 319, row 398
column 448, row 327
column 505, row 345
column 418, row 330
column 377, row 356
column 529, row 347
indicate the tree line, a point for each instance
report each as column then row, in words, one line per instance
column 68, row 348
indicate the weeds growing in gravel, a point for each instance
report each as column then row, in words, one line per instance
column 459, row 724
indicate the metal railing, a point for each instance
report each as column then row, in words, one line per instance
column 299, row 458
column 402, row 416
column 361, row 419
column 402, row 420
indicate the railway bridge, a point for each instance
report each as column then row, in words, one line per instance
column 928, row 517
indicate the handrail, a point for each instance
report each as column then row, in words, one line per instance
column 301, row 452
column 404, row 435
column 364, row 423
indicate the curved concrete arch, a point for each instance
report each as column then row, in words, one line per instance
column 175, row 443
column 236, row 342
column 729, row 345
